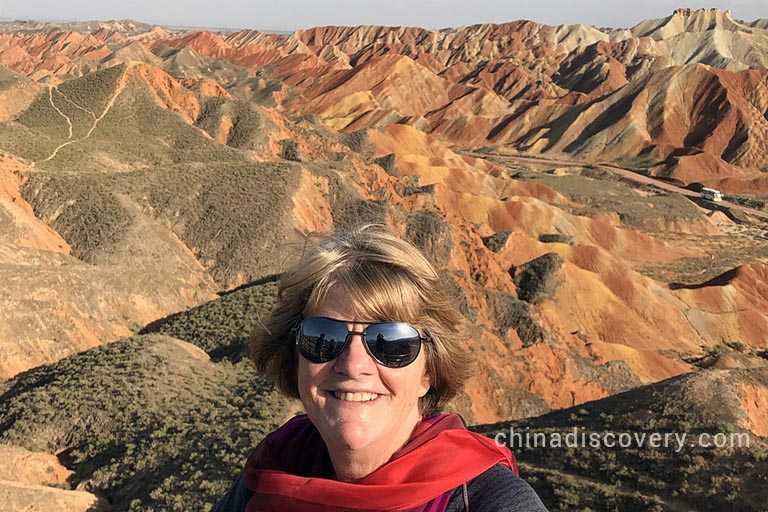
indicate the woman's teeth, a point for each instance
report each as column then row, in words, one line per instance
column 355, row 397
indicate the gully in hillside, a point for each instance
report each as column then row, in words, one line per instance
column 366, row 337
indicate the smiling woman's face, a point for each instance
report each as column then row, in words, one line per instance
column 355, row 403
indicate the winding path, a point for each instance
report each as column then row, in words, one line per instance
column 118, row 90
column 62, row 114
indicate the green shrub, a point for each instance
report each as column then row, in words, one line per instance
column 246, row 126
column 386, row 162
column 290, row 150
column 219, row 210
column 356, row 141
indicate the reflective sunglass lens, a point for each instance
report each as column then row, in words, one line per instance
column 393, row 344
column 321, row 340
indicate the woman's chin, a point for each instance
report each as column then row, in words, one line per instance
column 353, row 436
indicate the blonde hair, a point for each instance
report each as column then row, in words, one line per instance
column 386, row 278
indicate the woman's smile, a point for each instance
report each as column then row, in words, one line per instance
column 347, row 396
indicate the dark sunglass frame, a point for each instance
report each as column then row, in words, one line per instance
column 377, row 348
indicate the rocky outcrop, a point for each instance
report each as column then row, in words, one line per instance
column 15, row 496
column 26, row 479
column 536, row 280
column 710, row 305
column 32, row 468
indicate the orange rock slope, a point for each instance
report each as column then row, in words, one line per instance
column 598, row 310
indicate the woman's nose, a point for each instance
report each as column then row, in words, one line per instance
column 354, row 359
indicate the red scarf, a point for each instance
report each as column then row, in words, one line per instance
column 290, row 470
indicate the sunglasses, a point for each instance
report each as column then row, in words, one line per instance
column 391, row 344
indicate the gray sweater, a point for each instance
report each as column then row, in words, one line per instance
column 496, row 490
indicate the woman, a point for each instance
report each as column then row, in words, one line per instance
column 365, row 336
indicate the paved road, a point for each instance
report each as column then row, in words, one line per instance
column 626, row 173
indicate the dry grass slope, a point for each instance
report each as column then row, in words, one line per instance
column 220, row 211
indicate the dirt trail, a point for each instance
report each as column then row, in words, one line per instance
column 118, row 90
column 65, row 116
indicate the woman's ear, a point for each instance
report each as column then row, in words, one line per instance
column 426, row 383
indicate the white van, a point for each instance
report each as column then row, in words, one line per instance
column 711, row 194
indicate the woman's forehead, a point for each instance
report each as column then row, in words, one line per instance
column 337, row 303
column 354, row 304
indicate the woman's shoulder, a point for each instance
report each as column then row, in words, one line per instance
column 497, row 489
